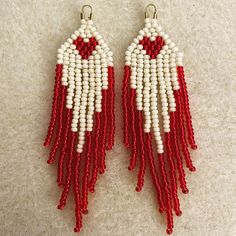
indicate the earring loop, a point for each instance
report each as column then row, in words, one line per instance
column 83, row 14
column 147, row 15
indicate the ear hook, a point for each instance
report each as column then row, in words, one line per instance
column 83, row 14
column 147, row 11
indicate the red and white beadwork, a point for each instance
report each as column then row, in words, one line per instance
column 155, row 104
column 82, row 120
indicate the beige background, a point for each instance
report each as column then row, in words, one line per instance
column 31, row 32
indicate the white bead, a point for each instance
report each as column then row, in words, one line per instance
column 63, row 47
column 130, row 48
column 101, row 41
column 73, row 36
column 67, row 45
column 165, row 47
column 69, row 40
column 158, row 28
column 60, row 51
column 146, row 30
column 83, row 21
column 155, row 34
column 128, row 63
column 152, row 38
column 83, row 35
column 90, row 22
column 152, row 30
column 69, row 50
column 110, row 53
column 128, row 53
column 140, row 47
column 141, row 32
column 69, row 106
column 172, row 65
column 136, row 41
column 154, row 21
column 72, row 64
column 161, row 33
column 162, row 52
column 140, row 37
column 147, row 20
column 99, row 37
column 77, row 33
column 81, row 30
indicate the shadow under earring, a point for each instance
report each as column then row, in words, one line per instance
column 156, row 113
column 82, row 121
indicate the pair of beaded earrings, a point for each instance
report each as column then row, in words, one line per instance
column 156, row 113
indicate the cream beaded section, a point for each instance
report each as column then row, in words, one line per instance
column 85, row 78
column 154, row 78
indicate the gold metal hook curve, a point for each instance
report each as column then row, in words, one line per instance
column 83, row 15
column 155, row 11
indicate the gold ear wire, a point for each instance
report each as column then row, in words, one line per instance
column 147, row 13
column 83, row 16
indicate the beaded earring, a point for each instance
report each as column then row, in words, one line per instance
column 82, row 120
column 155, row 103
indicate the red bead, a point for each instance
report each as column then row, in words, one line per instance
column 60, row 207
column 77, row 229
column 179, row 213
column 85, row 212
column 185, row 191
column 152, row 47
column 169, row 231
column 138, row 189
column 85, row 49
column 161, row 210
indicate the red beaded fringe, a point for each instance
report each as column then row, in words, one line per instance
column 167, row 168
column 186, row 109
column 55, row 113
column 125, row 97
column 110, row 109
column 79, row 170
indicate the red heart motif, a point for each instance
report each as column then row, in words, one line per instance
column 152, row 47
column 85, row 49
